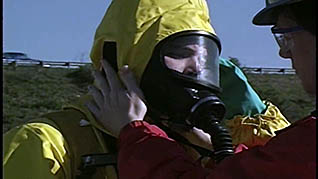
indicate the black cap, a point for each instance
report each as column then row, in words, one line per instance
column 267, row 16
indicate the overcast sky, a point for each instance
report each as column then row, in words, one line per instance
column 63, row 30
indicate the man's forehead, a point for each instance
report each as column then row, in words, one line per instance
column 187, row 41
column 192, row 45
column 199, row 48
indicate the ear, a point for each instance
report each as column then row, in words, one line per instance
column 110, row 54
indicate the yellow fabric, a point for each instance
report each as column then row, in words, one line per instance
column 38, row 142
column 97, row 128
column 82, row 139
column 38, row 150
column 138, row 25
column 256, row 130
column 80, row 105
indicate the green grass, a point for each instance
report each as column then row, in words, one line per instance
column 286, row 92
column 32, row 91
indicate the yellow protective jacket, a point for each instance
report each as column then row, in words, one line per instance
column 51, row 147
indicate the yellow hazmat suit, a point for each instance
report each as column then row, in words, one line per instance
column 51, row 147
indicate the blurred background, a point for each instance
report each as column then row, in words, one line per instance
column 61, row 30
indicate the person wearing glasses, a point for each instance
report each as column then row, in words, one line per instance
column 290, row 36
column 291, row 154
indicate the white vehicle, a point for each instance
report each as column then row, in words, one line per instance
column 18, row 58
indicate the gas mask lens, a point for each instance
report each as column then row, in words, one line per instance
column 193, row 57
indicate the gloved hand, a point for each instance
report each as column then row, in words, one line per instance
column 118, row 101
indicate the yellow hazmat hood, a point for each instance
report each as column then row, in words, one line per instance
column 138, row 25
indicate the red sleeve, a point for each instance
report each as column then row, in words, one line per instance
column 291, row 154
column 147, row 152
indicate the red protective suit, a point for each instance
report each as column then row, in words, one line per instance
column 147, row 152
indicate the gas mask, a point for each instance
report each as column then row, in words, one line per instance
column 181, row 83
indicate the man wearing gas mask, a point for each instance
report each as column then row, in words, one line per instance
column 181, row 86
column 146, row 148
column 173, row 52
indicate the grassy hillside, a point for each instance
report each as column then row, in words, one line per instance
column 32, row 91
column 286, row 92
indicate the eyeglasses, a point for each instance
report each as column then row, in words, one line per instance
column 283, row 36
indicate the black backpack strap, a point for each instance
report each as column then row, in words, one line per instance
column 98, row 160
column 90, row 162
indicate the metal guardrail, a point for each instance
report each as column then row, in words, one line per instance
column 74, row 65
column 269, row 70
column 45, row 64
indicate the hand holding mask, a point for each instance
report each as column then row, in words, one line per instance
column 116, row 104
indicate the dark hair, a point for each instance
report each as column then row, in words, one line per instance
column 304, row 13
